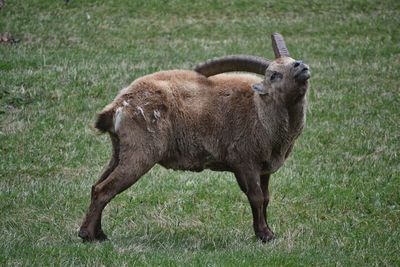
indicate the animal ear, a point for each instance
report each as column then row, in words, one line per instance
column 259, row 88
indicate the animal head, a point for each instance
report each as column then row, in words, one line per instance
column 285, row 77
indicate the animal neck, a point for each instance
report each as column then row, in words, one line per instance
column 297, row 116
column 281, row 121
column 268, row 113
column 281, row 125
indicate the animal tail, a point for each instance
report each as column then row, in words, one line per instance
column 104, row 121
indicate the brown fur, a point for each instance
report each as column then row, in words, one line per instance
column 185, row 121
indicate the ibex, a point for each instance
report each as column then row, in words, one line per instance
column 193, row 120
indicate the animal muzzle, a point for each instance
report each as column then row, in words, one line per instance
column 302, row 71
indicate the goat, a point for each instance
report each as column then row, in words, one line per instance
column 196, row 120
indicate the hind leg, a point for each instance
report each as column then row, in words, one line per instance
column 114, row 159
column 132, row 164
column 99, row 234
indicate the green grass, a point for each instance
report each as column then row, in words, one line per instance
column 336, row 201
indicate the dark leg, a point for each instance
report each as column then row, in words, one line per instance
column 123, row 176
column 264, row 181
column 249, row 182
column 99, row 234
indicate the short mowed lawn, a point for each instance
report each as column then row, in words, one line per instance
column 336, row 201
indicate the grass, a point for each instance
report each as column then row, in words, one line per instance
column 336, row 201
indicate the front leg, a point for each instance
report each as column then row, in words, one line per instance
column 249, row 182
column 264, row 181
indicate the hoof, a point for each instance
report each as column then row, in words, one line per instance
column 87, row 237
column 101, row 236
column 265, row 236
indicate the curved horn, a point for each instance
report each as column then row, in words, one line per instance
column 279, row 46
column 233, row 63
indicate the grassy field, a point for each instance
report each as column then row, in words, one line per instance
column 336, row 201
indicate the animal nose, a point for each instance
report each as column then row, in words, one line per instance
column 297, row 63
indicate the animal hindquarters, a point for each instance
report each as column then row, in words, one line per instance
column 131, row 159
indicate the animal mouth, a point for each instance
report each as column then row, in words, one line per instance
column 302, row 75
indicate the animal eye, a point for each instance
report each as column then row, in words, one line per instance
column 275, row 76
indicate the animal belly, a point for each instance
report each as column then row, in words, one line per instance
column 196, row 164
column 182, row 163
